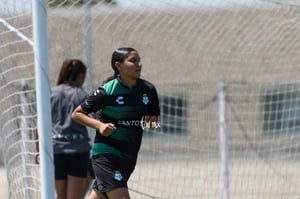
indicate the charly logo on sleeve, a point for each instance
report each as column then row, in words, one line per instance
column 96, row 92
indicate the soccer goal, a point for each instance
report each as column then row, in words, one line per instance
column 227, row 74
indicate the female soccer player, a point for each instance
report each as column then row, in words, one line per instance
column 71, row 144
column 122, row 101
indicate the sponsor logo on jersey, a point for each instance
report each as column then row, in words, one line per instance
column 120, row 100
column 129, row 123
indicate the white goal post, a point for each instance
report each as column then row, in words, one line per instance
column 42, row 83
column 42, row 92
column 239, row 140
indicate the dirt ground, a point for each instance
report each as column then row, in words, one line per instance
column 3, row 183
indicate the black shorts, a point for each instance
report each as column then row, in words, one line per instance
column 111, row 172
column 73, row 164
column 91, row 170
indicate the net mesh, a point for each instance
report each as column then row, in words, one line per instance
column 187, row 48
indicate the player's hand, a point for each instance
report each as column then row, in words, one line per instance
column 106, row 129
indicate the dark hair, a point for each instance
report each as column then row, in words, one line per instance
column 118, row 55
column 70, row 70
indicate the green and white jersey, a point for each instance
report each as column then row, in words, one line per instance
column 124, row 107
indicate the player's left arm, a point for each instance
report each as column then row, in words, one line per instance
column 153, row 112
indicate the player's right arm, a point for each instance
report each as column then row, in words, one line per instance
column 82, row 117
column 92, row 104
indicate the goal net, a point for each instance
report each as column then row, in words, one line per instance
column 188, row 49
